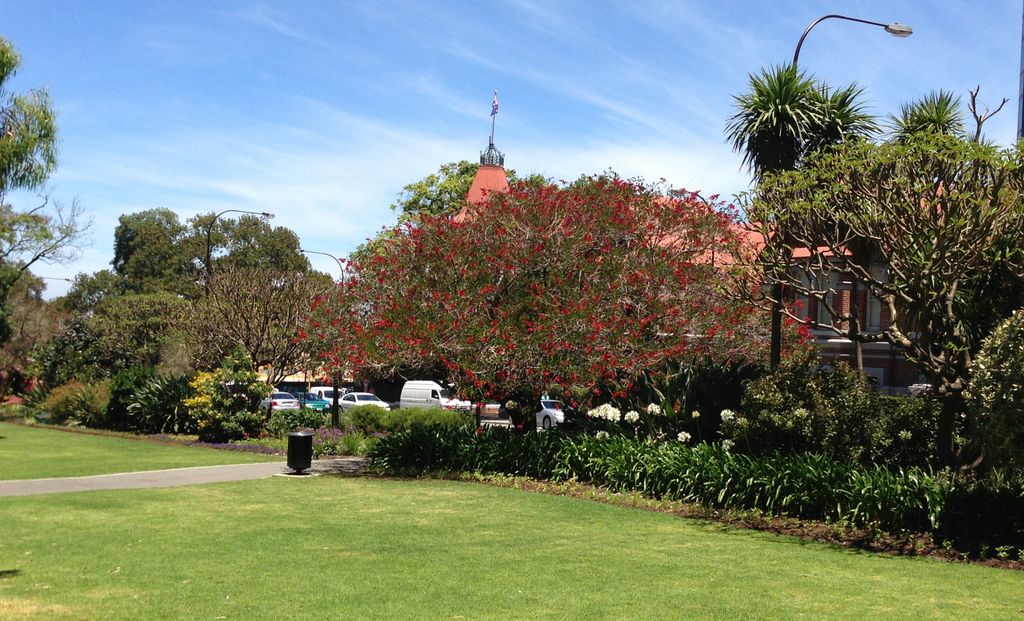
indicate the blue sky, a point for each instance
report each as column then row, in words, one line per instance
column 320, row 112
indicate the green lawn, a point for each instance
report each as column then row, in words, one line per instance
column 34, row 453
column 343, row 548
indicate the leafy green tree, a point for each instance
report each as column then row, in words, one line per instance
column 249, row 242
column 120, row 332
column 938, row 212
column 28, row 155
column 150, row 253
column 28, row 130
column 782, row 119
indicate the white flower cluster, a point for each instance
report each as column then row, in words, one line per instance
column 601, row 435
column 654, row 409
column 511, row 405
column 632, row 417
column 727, row 444
column 683, row 437
column 606, row 411
column 728, row 416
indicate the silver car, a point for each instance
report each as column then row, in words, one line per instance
column 353, row 399
column 280, row 401
column 550, row 413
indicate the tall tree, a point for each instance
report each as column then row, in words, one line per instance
column 937, row 213
column 562, row 288
column 259, row 310
column 784, row 117
column 28, row 154
column 150, row 253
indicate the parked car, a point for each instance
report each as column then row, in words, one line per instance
column 550, row 413
column 326, row 392
column 427, row 394
column 280, row 401
column 353, row 399
column 313, row 402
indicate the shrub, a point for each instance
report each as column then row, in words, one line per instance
column 123, row 386
column 368, row 418
column 158, row 406
column 327, row 441
column 374, row 419
column 996, row 394
column 78, row 403
column 224, row 402
column 799, row 408
column 285, row 421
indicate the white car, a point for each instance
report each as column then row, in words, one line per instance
column 353, row 399
column 550, row 413
column 280, row 401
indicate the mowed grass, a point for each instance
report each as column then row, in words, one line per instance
column 364, row 548
column 34, row 453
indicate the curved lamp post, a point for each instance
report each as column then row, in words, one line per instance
column 341, row 264
column 896, row 29
column 209, row 232
column 336, row 378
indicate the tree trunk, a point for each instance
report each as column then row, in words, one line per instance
column 952, row 406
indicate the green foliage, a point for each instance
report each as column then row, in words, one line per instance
column 225, row 401
column 158, row 406
column 76, row 403
column 996, row 395
column 799, row 408
column 150, row 253
column 28, row 130
column 120, row 332
column 123, row 386
column 285, row 421
column 374, row 419
column 936, row 113
column 804, row 485
column 337, row 442
column 785, row 116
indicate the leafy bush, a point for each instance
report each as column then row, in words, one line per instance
column 78, row 403
column 158, row 406
column 975, row 512
column 224, row 402
column 285, row 421
column 327, row 441
column 996, row 394
column 374, row 419
column 123, row 386
column 799, row 408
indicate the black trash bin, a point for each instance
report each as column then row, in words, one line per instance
column 300, row 451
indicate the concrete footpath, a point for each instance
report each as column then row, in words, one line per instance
column 173, row 478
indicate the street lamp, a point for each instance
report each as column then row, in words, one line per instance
column 336, row 377
column 341, row 264
column 209, row 232
column 896, row 29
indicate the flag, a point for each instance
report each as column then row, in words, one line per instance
column 494, row 104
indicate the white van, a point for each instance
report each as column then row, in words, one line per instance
column 427, row 394
column 325, row 392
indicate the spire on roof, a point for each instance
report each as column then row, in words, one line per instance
column 492, row 156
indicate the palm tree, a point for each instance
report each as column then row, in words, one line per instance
column 786, row 116
column 783, row 118
column 936, row 113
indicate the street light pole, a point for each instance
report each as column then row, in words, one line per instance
column 209, row 243
column 896, row 29
column 335, row 377
column 341, row 264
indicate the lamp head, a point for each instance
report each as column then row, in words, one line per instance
column 897, row 29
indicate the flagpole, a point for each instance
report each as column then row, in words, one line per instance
column 493, row 117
